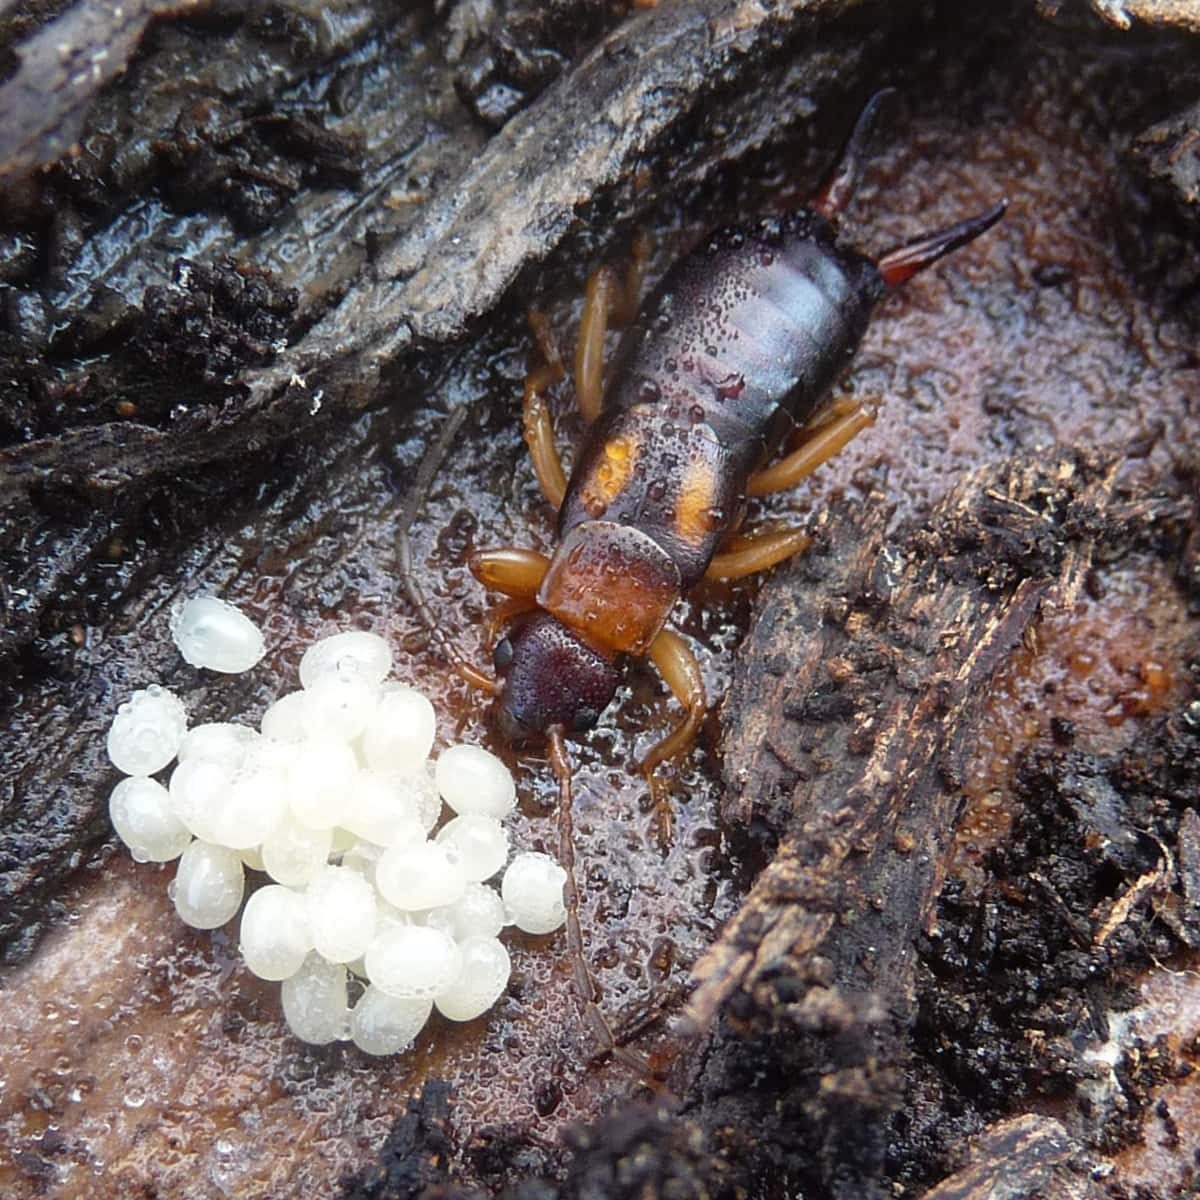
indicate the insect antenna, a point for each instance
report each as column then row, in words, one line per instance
column 425, row 472
column 585, row 983
column 900, row 265
column 837, row 189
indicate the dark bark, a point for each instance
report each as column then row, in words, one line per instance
column 1020, row 1159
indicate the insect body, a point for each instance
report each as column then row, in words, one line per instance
column 735, row 350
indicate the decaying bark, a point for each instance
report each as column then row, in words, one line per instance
column 859, row 697
column 1027, row 1158
column 1122, row 14
column 854, row 753
column 1169, row 153
column 63, row 68
column 503, row 209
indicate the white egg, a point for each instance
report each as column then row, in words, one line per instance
column 532, row 890
column 142, row 815
column 207, row 889
column 211, row 633
column 473, row 780
column 354, row 654
column 146, row 733
column 480, row 983
column 314, row 1002
column 275, row 935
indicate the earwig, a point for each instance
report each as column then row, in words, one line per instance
column 734, row 352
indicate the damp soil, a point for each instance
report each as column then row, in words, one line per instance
column 931, row 912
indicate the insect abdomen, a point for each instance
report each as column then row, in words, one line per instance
column 738, row 344
column 754, row 321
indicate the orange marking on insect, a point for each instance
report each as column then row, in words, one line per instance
column 611, row 473
column 694, row 511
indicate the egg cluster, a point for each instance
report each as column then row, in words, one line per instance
column 334, row 797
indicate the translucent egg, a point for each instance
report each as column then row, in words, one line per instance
column 219, row 741
column 207, row 888
column 142, row 815
column 319, row 776
column 473, row 780
column 294, row 853
column 480, row 983
column 314, row 1002
column 213, row 634
column 341, row 909
column 275, row 936
column 413, row 962
column 422, row 876
column 355, row 653
column 198, row 788
column 146, row 732
column 386, row 917
column 341, row 772
column 383, row 1024
column 399, row 734
column 532, row 890
column 381, row 811
column 421, row 786
column 480, row 842
column 478, row 912
column 252, row 807
column 337, row 706
column 283, row 720
column 275, row 933
column 268, row 753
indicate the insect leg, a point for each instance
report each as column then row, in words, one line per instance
column 509, row 569
column 756, row 552
column 585, row 984
column 677, row 665
column 607, row 299
column 539, row 429
column 830, row 438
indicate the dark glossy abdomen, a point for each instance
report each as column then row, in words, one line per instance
column 739, row 344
